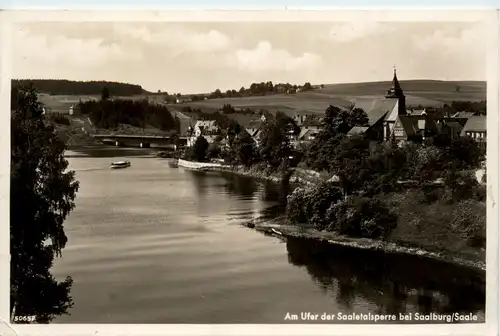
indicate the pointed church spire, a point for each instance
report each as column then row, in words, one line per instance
column 395, row 91
column 395, row 82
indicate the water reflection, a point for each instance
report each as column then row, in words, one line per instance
column 103, row 152
column 392, row 283
column 243, row 186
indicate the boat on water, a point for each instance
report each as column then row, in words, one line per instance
column 120, row 164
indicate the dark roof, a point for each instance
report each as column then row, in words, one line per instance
column 254, row 124
column 453, row 124
column 244, row 119
column 252, row 132
column 376, row 108
column 412, row 125
column 307, row 133
column 357, row 130
column 463, row 114
column 184, row 123
column 475, row 124
column 311, row 122
column 461, row 121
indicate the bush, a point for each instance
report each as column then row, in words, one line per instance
column 463, row 186
column 361, row 217
column 456, row 227
column 298, row 206
column 308, row 206
column 213, row 151
column 469, row 221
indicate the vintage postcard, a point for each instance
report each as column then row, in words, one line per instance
column 249, row 172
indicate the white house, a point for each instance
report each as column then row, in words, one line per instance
column 207, row 128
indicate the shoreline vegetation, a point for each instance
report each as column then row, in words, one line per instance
column 301, row 177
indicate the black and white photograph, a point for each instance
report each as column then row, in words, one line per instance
column 253, row 171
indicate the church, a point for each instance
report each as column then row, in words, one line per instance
column 390, row 119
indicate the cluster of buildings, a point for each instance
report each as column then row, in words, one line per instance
column 389, row 118
column 309, row 127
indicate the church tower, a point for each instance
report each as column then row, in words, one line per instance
column 395, row 92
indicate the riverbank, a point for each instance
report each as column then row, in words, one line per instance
column 418, row 232
column 297, row 176
column 276, row 228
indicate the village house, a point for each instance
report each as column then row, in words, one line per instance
column 309, row 129
column 450, row 127
column 253, row 128
column 475, row 128
column 206, row 128
column 299, row 117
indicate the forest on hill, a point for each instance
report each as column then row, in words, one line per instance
column 67, row 87
column 109, row 114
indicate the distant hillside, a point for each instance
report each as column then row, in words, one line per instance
column 413, row 87
column 67, row 87
column 428, row 93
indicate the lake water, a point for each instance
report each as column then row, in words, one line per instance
column 154, row 244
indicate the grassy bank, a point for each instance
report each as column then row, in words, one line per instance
column 277, row 228
column 458, row 229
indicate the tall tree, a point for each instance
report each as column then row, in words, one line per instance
column 199, row 149
column 275, row 144
column 105, row 93
column 42, row 195
column 245, row 149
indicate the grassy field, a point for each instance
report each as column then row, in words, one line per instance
column 418, row 92
column 421, row 92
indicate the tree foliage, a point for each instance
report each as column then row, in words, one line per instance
column 335, row 125
column 110, row 113
column 274, row 144
column 41, row 197
column 245, row 149
column 67, row 87
column 309, row 205
column 199, row 149
column 361, row 217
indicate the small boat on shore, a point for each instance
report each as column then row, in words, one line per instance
column 120, row 164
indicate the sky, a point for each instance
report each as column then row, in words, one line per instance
column 196, row 57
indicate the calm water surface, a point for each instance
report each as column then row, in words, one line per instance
column 154, row 244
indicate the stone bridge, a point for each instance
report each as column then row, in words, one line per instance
column 143, row 141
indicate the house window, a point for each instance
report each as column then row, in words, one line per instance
column 398, row 133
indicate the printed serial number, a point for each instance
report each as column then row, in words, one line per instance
column 29, row 318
